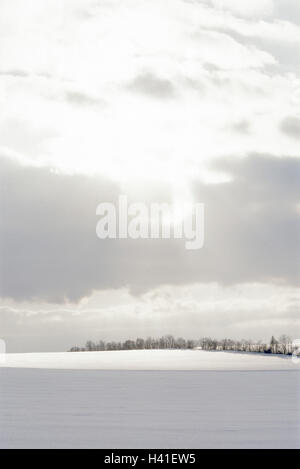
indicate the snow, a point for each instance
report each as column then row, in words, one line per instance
column 149, row 360
column 252, row 402
column 148, row 409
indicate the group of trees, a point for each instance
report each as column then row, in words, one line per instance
column 281, row 346
column 164, row 342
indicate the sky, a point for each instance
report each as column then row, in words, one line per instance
column 163, row 101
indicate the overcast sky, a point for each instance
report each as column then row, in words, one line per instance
column 169, row 100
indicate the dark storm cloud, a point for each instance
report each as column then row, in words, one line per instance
column 291, row 127
column 49, row 249
column 253, row 222
column 153, row 86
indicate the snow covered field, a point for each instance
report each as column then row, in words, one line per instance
column 149, row 360
column 234, row 406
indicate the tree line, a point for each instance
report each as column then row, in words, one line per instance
column 281, row 346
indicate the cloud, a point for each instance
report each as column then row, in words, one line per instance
column 241, row 127
column 243, row 8
column 288, row 10
column 241, row 311
column 50, row 252
column 277, row 40
column 78, row 98
column 155, row 87
column 168, row 96
column 180, row 83
column 291, row 127
column 14, row 73
column 17, row 134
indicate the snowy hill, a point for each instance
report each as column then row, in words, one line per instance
column 149, row 360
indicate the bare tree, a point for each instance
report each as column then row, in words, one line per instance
column 285, row 342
